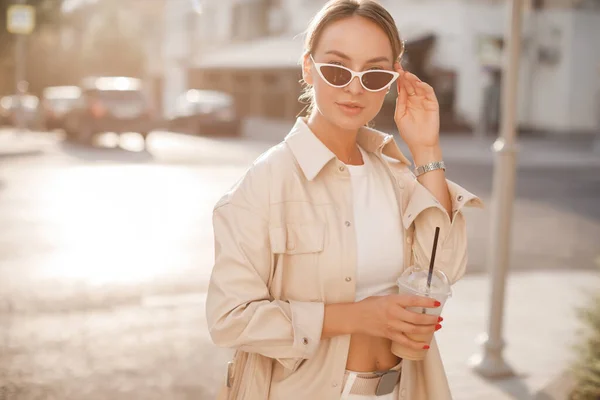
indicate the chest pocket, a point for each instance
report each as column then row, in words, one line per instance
column 297, row 249
column 297, row 239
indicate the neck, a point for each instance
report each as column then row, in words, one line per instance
column 340, row 141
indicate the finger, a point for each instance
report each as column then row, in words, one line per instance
column 413, row 80
column 418, row 318
column 399, row 85
column 408, row 85
column 424, row 89
column 407, row 300
column 403, row 340
column 414, row 329
column 402, row 98
column 398, row 67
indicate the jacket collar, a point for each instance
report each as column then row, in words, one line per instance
column 312, row 155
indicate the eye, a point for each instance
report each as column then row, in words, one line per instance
column 335, row 63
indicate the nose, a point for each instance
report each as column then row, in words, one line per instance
column 354, row 87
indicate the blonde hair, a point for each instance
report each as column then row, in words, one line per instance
column 336, row 10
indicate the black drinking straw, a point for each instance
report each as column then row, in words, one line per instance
column 435, row 241
column 432, row 261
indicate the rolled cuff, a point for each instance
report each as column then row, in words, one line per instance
column 307, row 326
column 422, row 199
column 307, row 323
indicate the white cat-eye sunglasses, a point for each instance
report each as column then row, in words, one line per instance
column 373, row 80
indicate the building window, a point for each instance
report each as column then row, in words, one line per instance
column 275, row 17
column 243, row 80
column 237, row 21
column 271, row 80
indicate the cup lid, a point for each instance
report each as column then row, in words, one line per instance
column 415, row 278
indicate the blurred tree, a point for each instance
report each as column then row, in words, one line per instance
column 48, row 13
column 110, row 38
column 48, row 19
column 93, row 38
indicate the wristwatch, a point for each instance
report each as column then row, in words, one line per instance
column 429, row 167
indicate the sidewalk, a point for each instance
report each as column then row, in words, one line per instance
column 161, row 348
column 540, row 329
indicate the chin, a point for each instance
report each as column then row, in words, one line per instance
column 352, row 123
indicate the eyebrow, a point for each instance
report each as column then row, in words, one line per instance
column 345, row 57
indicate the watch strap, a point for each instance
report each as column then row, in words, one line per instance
column 432, row 166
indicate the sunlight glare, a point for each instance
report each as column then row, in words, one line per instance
column 120, row 224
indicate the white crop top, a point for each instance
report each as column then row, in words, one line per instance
column 378, row 231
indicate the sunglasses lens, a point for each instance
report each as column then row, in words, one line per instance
column 376, row 80
column 336, row 76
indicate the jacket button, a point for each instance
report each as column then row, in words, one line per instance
column 403, row 393
column 342, row 168
column 409, row 240
column 460, row 198
column 305, row 341
column 347, row 223
column 348, row 279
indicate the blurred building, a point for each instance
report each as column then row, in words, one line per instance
column 252, row 48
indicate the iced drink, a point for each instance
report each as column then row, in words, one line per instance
column 413, row 281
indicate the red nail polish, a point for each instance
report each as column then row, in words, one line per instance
column 437, row 304
column 438, row 327
column 426, row 347
column 440, row 319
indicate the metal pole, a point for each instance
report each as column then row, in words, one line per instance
column 490, row 363
column 20, row 77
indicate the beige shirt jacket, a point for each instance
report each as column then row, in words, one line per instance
column 285, row 246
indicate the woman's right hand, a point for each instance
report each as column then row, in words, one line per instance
column 387, row 317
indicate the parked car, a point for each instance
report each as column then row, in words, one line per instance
column 28, row 103
column 205, row 112
column 57, row 102
column 110, row 104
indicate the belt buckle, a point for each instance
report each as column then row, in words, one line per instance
column 387, row 382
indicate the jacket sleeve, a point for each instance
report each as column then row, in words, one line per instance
column 425, row 211
column 240, row 311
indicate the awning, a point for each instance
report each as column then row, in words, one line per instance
column 272, row 52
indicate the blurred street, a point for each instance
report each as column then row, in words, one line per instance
column 106, row 239
column 106, row 251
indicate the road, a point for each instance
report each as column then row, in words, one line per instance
column 85, row 226
column 105, row 253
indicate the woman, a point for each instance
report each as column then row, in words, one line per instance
column 309, row 243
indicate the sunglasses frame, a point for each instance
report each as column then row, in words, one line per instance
column 354, row 74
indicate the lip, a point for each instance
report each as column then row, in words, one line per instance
column 350, row 104
column 350, row 108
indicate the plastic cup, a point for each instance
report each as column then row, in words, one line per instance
column 413, row 281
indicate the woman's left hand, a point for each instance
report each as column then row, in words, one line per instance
column 417, row 113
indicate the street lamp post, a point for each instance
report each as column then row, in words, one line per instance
column 20, row 20
column 490, row 363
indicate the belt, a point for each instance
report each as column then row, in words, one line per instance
column 374, row 383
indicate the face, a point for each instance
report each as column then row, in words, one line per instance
column 360, row 45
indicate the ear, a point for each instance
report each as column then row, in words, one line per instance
column 307, row 68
